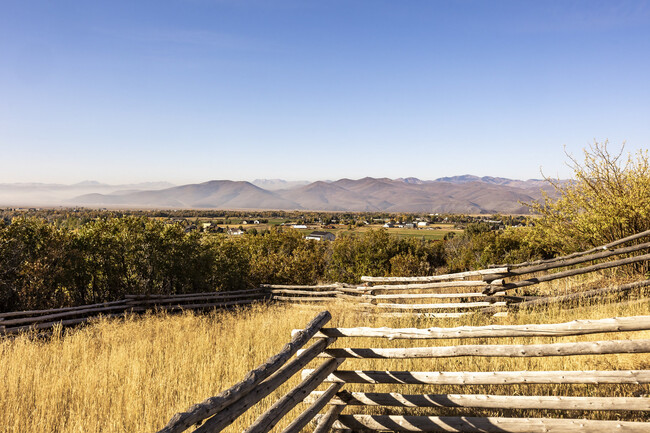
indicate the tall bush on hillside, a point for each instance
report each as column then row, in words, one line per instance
column 477, row 249
column 608, row 200
column 137, row 255
column 284, row 256
column 35, row 263
column 231, row 263
column 377, row 253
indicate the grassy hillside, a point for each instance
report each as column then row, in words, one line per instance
column 132, row 375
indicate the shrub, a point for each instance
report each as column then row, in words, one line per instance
column 609, row 199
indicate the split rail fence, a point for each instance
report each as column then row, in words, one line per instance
column 485, row 290
column 220, row 411
column 44, row 320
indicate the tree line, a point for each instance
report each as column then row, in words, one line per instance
column 47, row 265
column 44, row 265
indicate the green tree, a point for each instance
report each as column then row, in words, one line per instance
column 35, row 260
column 285, row 257
column 231, row 263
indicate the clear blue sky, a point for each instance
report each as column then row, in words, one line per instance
column 192, row 90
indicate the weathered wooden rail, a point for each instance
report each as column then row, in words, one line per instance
column 627, row 406
column 220, row 411
column 431, row 296
column 39, row 320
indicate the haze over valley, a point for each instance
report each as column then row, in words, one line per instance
column 457, row 194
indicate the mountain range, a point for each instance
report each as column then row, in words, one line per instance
column 458, row 194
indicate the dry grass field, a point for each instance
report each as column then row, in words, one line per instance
column 132, row 375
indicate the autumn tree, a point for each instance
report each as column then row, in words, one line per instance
column 608, row 199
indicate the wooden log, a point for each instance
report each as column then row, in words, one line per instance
column 353, row 290
column 576, row 327
column 421, row 286
column 571, row 272
column 265, row 422
column 486, row 401
column 352, row 298
column 495, row 278
column 305, row 292
column 425, row 315
column 229, row 414
column 490, row 377
column 199, row 295
column 579, row 253
column 50, row 317
column 576, row 296
column 579, row 260
column 59, row 310
column 433, row 315
column 304, row 299
column 463, row 424
column 316, row 405
column 441, row 306
column 180, row 300
column 183, row 420
column 495, row 350
column 299, row 287
column 326, row 422
column 428, row 296
column 47, row 325
column 455, row 276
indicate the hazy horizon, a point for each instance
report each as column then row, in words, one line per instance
column 91, row 182
column 187, row 91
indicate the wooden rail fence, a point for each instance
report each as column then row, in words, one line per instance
column 511, row 402
column 222, row 410
column 43, row 320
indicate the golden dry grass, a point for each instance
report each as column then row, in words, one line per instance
column 132, row 375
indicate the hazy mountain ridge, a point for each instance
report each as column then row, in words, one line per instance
column 218, row 194
column 457, row 194
column 460, row 194
column 53, row 194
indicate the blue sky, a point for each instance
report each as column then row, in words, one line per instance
column 192, row 90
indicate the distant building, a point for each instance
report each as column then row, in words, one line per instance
column 388, row 226
column 409, row 226
column 423, row 224
column 321, row 236
column 299, row 226
column 235, row 232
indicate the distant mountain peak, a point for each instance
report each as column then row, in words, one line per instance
column 459, row 179
column 411, row 180
column 276, row 184
column 88, row 183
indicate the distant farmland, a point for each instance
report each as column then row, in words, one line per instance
column 433, row 232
